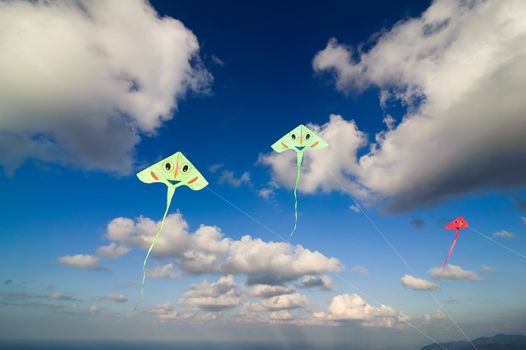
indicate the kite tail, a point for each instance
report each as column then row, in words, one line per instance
column 169, row 196
column 451, row 249
column 299, row 158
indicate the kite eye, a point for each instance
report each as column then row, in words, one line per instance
column 307, row 136
column 168, row 166
column 456, row 221
column 185, row 168
column 293, row 136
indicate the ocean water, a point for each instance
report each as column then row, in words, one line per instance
column 85, row 345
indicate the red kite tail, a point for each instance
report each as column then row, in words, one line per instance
column 451, row 249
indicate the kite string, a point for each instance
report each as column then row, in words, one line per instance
column 299, row 157
column 400, row 256
column 497, row 242
column 169, row 196
column 333, row 273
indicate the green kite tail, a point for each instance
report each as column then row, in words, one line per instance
column 299, row 139
column 169, row 195
column 299, row 158
column 174, row 171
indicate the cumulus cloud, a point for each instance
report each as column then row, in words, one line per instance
column 281, row 315
column 228, row 177
column 207, row 250
column 163, row 312
column 285, row 302
column 360, row 269
column 322, row 282
column 454, row 272
column 164, row 271
column 84, row 261
column 115, row 297
column 61, row 296
column 265, row 192
column 197, row 252
column 213, row 297
column 275, row 262
column 504, row 234
column 439, row 315
column 83, row 80
column 269, row 291
column 55, row 296
column 353, row 307
column 112, row 250
column 487, row 269
column 417, row 283
column 460, row 69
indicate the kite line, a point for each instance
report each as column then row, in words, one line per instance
column 337, row 275
column 384, row 237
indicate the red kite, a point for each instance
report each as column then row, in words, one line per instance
column 456, row 224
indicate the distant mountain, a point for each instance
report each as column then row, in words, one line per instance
column 498, row 342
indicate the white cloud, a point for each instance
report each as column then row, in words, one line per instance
column 81, row 81
column 523, row 218
column 84, row 261
column 217, row 61
column 285, row 302
column 389, row 121
column 454, row 272
column 115, row 297
column 504, row 234
column 164, row 271
column 360, row 269
column 281, row 315
column 207, row 250
column 61, row 296
column 265, row 192
column 112, row 250
column 417, row 283
column 198, row 252
column 213, row 297
column 273, row 262
column 487, row 269
column 353, row 307
column 163, row 312
column 269, row 291
column 460, row 69
column 228, row 177
column 439, row 315
column 322, row 282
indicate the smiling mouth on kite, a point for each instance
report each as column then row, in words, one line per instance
column 174, row 182
column 300, row 148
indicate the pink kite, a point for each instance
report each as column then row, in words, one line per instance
column 456, row 224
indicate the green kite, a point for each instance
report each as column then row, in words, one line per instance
column 174, row 171
column 298, row 140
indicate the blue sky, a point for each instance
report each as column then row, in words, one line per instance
column 419, row 102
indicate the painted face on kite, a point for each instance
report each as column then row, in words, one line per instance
column 299, row 139
column 174, row 171
column 458, row 223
